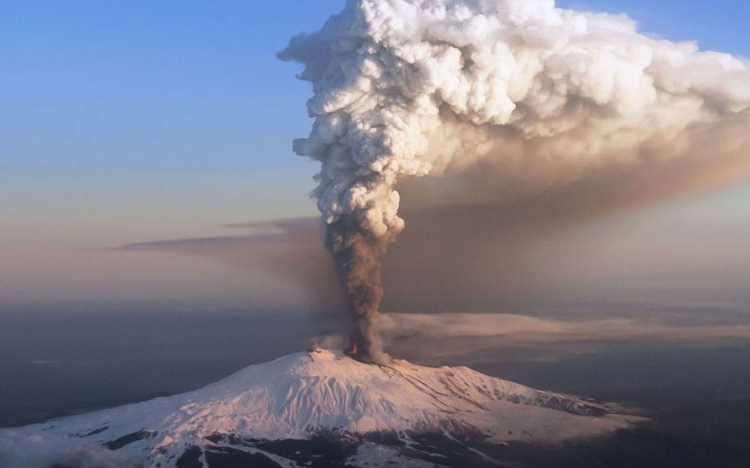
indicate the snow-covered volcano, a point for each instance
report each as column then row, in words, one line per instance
column 265, row 415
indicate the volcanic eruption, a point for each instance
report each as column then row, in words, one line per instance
column 469, row 103
column 517, row 97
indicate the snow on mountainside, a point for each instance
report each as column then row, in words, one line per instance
column 300, row 396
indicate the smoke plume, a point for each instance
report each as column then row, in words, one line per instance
column 504, row 99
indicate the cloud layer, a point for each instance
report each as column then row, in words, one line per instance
column 437, row 338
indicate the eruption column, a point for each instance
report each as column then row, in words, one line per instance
column 518, row 97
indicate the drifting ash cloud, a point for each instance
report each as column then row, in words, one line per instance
column 482, row 102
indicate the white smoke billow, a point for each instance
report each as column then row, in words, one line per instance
column 528, row 95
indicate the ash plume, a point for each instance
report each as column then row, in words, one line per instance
column 499, row 100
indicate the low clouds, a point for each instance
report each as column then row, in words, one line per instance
column 42, row 450
column 439, row 337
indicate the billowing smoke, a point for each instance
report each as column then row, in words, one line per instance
column 516, row 97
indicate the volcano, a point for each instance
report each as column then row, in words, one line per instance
column 317, row 408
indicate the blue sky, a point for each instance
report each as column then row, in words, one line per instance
column 121, row 87
column 139, row 120
column 111, row 110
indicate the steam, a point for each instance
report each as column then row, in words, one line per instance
column 519, row 95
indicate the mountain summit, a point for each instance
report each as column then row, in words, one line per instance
column 315, row 408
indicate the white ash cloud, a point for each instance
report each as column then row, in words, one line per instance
column 518, row 97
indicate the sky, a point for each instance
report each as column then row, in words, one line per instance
column 140, row 121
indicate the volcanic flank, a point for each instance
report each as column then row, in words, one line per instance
column 319, row 403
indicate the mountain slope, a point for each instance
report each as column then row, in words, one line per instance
column 313, row 396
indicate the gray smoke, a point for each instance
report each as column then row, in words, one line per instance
column 506, row 98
